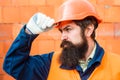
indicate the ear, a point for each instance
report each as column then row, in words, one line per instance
column 89, row 30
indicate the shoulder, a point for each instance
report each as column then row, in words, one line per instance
column 44, row 57
column 56, row 54
column 113, row 56
column 113, row 59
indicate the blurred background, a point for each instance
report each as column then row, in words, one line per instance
column 15, row 13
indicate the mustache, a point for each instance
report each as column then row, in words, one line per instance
column 65, row 44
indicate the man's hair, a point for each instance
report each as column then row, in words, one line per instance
column 86, row 22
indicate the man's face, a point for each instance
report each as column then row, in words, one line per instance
column 70, row 32
column 74, row 44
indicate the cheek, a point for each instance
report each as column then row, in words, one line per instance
column 76, row 38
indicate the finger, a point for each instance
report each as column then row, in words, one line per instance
column 50, row 23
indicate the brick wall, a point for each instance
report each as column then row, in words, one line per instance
column 15, row 13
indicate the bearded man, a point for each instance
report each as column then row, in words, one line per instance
column 80, row 58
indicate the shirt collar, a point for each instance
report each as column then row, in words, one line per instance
column 83, row 63
column 90, row 57
column 92, row 54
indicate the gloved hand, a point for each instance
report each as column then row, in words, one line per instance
column 39, row 23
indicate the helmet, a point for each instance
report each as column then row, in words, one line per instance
column 76, row 10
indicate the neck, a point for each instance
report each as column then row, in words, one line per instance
column 91, row 45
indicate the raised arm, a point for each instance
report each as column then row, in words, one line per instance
column 18, row 63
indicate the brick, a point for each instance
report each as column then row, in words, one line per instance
column 64, row 0
column 56, row 13
column 110, row 44
column 116, row 46
column 41, row 9
column 113, row 45
column 52, row 37
column 1, row 48
column 44, row 36
column 5, row 2
column 11, row 30
column 108, row 2
column 20, row 2
column 101, row 11
column 7, row 77
column 54, row 2
column 53, row 34
column 57, row 45
column 102, row 41
column 1, row 65
column 105, row 29
column 11, row 14
column 1, row 76
column 117, row 30
column 48, row 10
column 7, row 44
column 99, row 8
column 93, row 1
column 37, row 2
column 46, row 46
column 111, row 14
column 16, row 29
column 35, row 48
column 117, row 2
column 26, row 12
column 5, row 31
column 42, row 46
column 0, row 14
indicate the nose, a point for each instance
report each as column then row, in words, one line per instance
column 64, row 36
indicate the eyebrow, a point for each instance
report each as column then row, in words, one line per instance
column 64, row 28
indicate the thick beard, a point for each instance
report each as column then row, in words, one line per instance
column 71, row 54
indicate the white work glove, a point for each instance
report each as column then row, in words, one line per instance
column 39, row 22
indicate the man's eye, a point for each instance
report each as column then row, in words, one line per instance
column 67, row 29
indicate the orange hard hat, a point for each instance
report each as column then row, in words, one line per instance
column 75, row 10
